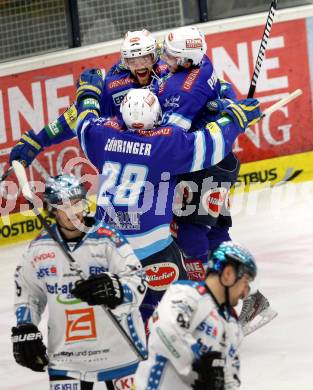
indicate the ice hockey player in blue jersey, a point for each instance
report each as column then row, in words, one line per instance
column 192, row 81
column 184, row 95
column 139, row 64
column 139, row 163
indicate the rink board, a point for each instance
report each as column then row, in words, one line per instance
column 258, row 175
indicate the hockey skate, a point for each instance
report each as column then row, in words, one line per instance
column 255, row 313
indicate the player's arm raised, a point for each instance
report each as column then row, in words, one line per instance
column 31, row 144
column 208, row 146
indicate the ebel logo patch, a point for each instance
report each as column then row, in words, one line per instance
column 118, row 97
column 80, row 325
column 212, row 201
column 160, row 276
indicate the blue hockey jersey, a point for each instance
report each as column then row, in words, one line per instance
column 138, row 172
column 118, row 81
column 184, row 94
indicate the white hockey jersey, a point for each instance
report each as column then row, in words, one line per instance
column 83, row 343
column 187, row 323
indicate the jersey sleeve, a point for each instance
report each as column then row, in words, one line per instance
column 184, row 107
column 30, row 298
column 106, row 100
column 61, row 129
column 173, row 324
column 184, row 112
column 88, row 134
column 201, row 149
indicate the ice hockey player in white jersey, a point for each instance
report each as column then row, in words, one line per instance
column 84, row 345
column 194, row 332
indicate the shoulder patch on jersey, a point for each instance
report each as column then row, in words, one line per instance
column 113, row 235
column 114, row 125
column 121, row 82
column 159, row 69
column 190, row 79
column 163, row 131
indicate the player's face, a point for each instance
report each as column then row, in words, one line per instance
column 170, row 60
column 239, row 290
column 69, row 212
column 141, row 68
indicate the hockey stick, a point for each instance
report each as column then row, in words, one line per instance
column 27, row 192
column 6, row 174
column 261, row 54
column 281, row 103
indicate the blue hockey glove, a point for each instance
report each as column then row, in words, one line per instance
column 244, row 113
column 215, row 107
column 27, row 148
column 89, row 85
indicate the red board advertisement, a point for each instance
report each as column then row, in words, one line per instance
column 284, row 69
column 34, row 98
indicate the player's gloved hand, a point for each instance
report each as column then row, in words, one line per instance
column 244, row 113
column 89, row 85
column 215, row 107
column 210, row 368
column 102, row 289
column 28, row 348
column 27, row 148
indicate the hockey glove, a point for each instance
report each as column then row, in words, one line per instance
column 215, row 107
column 244, row 113
column 89, row 85
column 210, row 368
column 102, row 289
column 28, row 349
column 27, row 148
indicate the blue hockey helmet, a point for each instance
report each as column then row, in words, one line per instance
column 63, row 187
column 232, row 253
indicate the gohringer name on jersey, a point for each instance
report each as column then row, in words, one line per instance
column 128, row 147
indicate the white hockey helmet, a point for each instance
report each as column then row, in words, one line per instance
column 185, row 43
column 141, row 109
column 138, row 44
